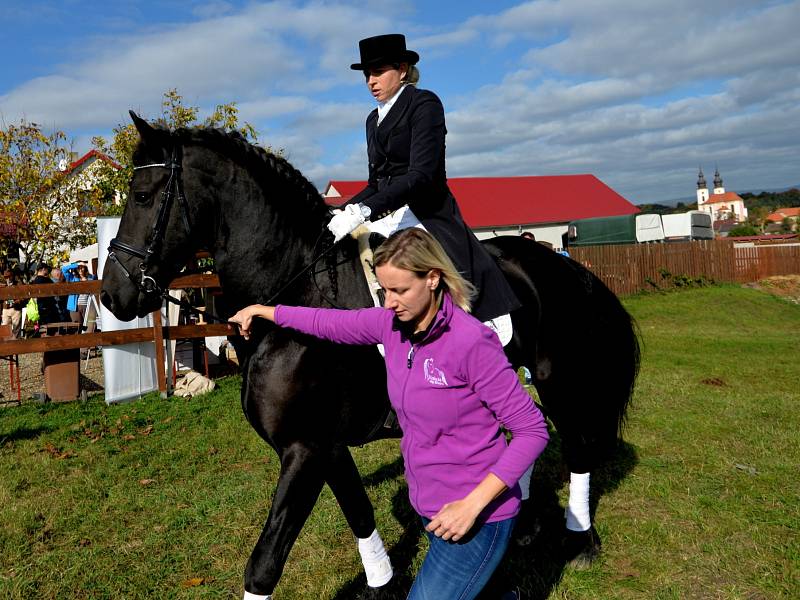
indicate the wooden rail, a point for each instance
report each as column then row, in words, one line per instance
column 157, row 334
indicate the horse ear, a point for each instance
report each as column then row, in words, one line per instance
column 142, row 126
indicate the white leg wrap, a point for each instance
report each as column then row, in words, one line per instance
column 577, row 511
column 377, row 564
column 525, row 482
column 249, row 596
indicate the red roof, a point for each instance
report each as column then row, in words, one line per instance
column 726, row 197
column 764, row 238
column 506, row 201
column 781, row 213
column 90, row 154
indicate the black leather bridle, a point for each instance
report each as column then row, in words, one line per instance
column 174, row 189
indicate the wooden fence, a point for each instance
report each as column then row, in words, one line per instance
column 630, row 268
column 157, row 334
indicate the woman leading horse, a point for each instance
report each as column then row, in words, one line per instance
column 452, row 388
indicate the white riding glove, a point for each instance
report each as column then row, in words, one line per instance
column 345, row 221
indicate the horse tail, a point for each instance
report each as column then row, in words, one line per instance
column 610, row 363
column 579, row 342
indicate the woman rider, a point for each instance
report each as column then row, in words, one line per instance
column 452, row 388
column 407, row 181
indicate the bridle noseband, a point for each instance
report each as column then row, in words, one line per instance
column 174, row 188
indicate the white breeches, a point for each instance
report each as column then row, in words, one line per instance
column 402, row 218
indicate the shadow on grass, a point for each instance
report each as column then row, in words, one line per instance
column 537, row 567
column 534, row 568
column 23, row 433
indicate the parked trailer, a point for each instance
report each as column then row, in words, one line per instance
column 623, row 229
column 691, row 225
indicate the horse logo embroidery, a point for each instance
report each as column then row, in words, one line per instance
column 433, row 375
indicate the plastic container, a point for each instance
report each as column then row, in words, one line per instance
column 62, row 367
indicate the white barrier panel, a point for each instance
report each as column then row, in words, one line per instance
column 130, row 369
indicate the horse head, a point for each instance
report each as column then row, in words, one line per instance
column 157, row 235
column 209, row 188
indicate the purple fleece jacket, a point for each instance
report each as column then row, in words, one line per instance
column 451, row 392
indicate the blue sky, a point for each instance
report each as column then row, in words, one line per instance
column 637, row 93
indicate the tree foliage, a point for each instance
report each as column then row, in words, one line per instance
column 113, row 183
column 39, row 209
column 772, row 200
column 743, row 230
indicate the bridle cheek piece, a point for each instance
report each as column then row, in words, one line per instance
column 174, row 188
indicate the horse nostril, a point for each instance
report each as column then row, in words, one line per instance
column 106, row 299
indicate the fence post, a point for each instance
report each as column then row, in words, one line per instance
column 158, row 339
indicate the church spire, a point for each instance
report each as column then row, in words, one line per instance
column 718, row 187
column 701, row 180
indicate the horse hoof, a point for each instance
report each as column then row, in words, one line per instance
column 385, row 592
column 581, row 548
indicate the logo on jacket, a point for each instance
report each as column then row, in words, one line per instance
column 433, row 375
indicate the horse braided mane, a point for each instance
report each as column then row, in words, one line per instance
column 296, row 194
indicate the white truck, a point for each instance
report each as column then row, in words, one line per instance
column 691, row 225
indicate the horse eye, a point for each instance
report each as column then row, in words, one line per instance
column 141, row 197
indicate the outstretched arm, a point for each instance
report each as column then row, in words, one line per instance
column 244, row 318
column 354, row 326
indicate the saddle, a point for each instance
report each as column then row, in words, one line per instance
column 368, row 242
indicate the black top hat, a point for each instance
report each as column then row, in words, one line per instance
column 383, row 50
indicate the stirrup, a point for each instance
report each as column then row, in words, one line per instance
column 502, row 326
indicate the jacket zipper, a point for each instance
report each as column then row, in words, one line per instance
column 409, row 363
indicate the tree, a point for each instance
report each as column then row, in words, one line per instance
column 39, row 214
column 742, row 231
column 113, row 182
column 757, row 217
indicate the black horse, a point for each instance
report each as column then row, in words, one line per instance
column 264, row 223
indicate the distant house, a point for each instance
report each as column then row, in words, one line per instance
column 776, row 218
column 81, row 176
column 542, row 205
column 721, row 205
column 723, row 226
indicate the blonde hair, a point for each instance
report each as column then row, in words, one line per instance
column 411, row 76
column 417, row 251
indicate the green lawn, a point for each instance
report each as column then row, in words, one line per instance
column 159, row 499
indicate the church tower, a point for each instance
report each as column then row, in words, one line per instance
column 702, row 189
column 718, row 189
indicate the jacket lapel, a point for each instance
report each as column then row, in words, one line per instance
column 394, row 115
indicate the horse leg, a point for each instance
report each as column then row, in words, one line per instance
column 581, row 541
column 345, row 481
column 299, row 485
column 581, row 544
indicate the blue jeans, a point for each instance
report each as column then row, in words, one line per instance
column 459, row 570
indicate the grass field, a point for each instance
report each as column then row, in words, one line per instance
column 164, row 499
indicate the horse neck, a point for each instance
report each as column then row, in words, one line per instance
column 263, row 235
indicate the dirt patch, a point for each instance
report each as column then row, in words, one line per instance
column 714, row 381
column 783, row 286
column 32, row 378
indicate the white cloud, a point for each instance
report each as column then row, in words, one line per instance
column 638, row 93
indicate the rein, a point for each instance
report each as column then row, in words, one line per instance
column 174, row 188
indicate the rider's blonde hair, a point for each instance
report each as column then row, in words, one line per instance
column 417, row 251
